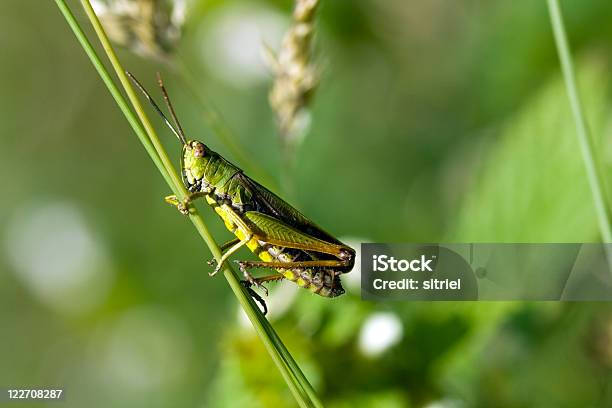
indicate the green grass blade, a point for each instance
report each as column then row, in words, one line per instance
column 582, row 130
column 297, row 382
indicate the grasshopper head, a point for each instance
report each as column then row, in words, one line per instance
column 195, row 158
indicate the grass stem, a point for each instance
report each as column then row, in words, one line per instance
column 586, row 144
column 290, row 371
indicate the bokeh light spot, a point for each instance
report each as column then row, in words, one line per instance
column 379, row 332
column 54, row 253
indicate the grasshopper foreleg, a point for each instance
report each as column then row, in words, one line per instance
column 184, row 205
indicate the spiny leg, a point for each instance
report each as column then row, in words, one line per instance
column 270, row 278
column 248, row 278
column 330, row 265
column 257, row 282
column 327, row 264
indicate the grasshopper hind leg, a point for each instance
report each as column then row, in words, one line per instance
column 257, row 282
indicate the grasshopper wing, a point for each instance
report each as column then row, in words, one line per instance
column 269, row 203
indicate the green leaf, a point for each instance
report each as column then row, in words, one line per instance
column 531, row 185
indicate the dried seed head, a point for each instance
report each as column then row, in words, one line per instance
column 150, row 28
column 296, row 75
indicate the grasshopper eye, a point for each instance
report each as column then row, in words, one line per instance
column 198, row 149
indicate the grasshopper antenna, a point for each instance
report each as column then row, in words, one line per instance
column 170, row 108
column 180, row 134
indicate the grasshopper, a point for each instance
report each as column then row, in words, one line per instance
column 284, row 239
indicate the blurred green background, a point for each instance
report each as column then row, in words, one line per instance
column 434, row 121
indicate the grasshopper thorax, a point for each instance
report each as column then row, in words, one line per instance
column 195, row 159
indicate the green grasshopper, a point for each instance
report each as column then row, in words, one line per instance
column 284, row 239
